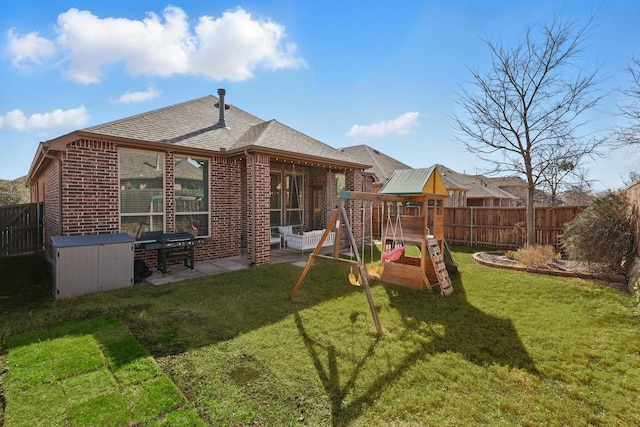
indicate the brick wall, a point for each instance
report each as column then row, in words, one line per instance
column 244, row 189
column 226, row 215
column 258, row 224
column 353, row 182
column 169, row 194
column 51, row 209
column 330, row 195
column 90, row 188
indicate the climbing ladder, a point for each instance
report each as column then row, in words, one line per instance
column 439, row 267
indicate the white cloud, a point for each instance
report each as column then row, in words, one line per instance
column 231, row 47
column 30, row 48
column 399, row 126
column 17, row 121
column 140, row 96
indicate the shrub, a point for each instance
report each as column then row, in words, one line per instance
column 603, row 233
column 534, row 256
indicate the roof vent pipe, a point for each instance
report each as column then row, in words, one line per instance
column 221, row 107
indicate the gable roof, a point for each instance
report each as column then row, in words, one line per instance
column 274, row 136
column 382, row 167
column 415, row 181
column 189, row 124
column 194, row 126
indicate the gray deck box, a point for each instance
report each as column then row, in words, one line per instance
column 92, row 263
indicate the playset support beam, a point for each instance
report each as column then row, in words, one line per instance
column 341, row 215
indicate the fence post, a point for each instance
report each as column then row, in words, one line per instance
column 471, row 228
column 535, row 227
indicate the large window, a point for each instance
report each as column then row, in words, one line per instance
column 192, row 195
column 141, row 192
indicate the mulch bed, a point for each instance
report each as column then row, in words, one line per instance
column 562, row 268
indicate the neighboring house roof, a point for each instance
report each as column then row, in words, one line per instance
column 509, row 181
column 382, row 167
column 415, row 181
column 477, row 186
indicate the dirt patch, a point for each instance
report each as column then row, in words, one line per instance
column 562, row 268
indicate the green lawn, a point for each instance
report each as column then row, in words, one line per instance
column 507, row 348
column 88, row 373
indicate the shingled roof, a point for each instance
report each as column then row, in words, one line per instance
column 477, row 186
column 196, row 124
column 382, row 167
column 275, row 136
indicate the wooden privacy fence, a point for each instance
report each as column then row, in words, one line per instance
column 20, row 229
column 495, row 227
column 502, row 227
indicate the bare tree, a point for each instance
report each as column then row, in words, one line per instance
column 630, row 108
column 579, row 189
column 630, row 177
column 529, row 102
column 558, row 170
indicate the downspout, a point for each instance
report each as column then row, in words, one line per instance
column 253, row 203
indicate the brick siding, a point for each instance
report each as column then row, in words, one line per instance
column 90, row 188
column 51, row 208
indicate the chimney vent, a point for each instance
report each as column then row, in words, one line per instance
column 221, row 107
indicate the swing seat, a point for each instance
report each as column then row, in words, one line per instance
column 393, row 255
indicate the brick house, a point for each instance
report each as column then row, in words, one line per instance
column 203, row 167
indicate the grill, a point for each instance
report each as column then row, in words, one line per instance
column 172, row 247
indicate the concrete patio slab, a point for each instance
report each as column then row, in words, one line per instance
column 230, row 264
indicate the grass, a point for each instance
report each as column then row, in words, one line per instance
column 83, row 373
column 507, row 348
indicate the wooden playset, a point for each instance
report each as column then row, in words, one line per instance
column 412, row 208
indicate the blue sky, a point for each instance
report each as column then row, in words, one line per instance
column 382, row 73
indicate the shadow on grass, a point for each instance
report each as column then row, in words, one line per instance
column 172, row 318
column 331, row 380
column 481, row 338
column 26, row 283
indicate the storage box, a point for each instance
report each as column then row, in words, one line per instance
column 91, row 263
